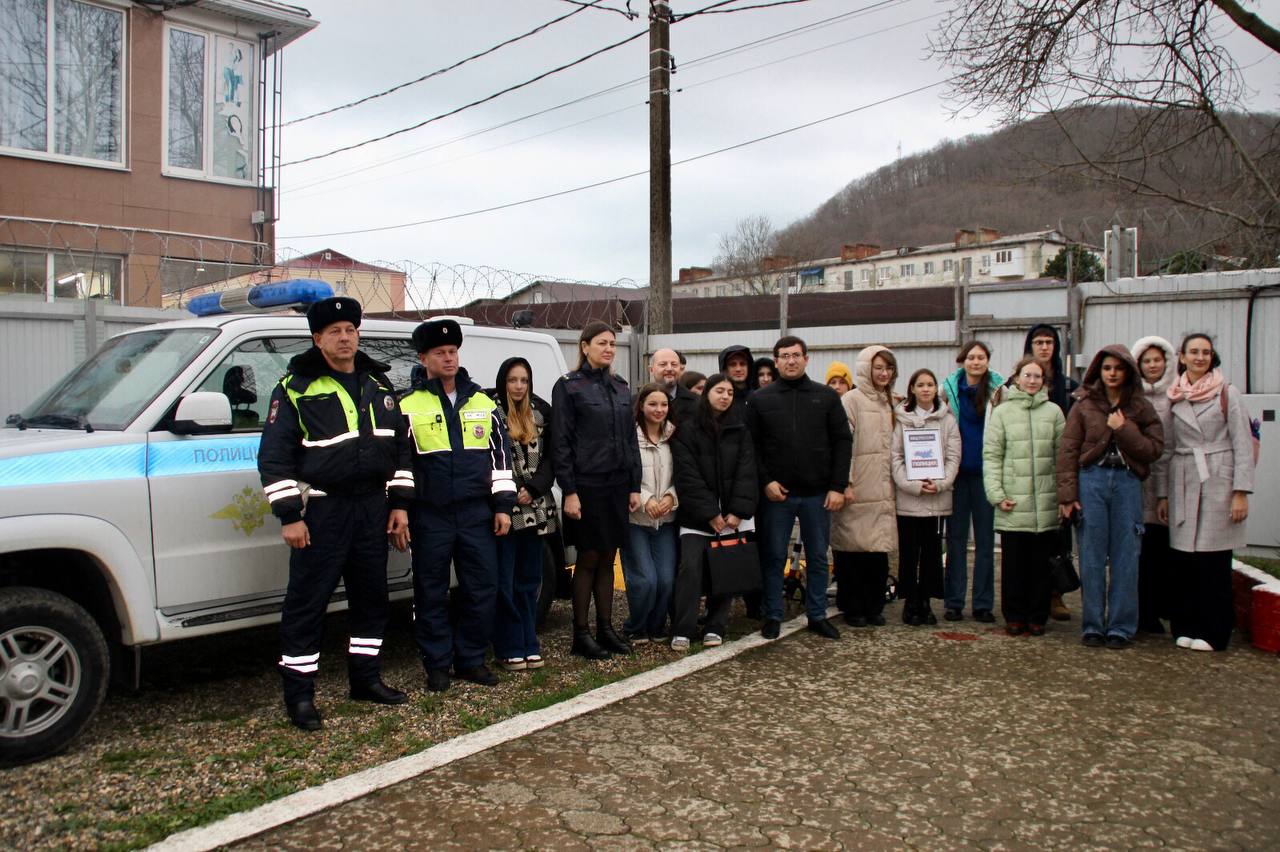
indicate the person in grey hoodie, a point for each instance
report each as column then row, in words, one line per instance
column 1158, row 368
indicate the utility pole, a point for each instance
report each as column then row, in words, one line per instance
column 783, row 331
column 659, row 168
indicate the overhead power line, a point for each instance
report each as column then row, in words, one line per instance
column 715, row 8
column 687, row 86
column 621, row 178
column 710, row 57
column 474, row 103
column 582, row 6
column 626, row 13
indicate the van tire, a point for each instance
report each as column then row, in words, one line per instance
column 45, row 705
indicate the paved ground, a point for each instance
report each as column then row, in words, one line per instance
column 933, row 738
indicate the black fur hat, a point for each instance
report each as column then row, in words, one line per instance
column 326, row 312
column 433, row 333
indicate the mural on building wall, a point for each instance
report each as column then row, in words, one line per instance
column 233, row 110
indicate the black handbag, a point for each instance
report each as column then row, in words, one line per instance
column 1062, row 567
column 733, row 565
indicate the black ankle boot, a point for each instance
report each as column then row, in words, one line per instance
column 585, row 646
column 609, row 639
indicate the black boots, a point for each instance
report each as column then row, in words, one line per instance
column 303, row 714
column 609, row 639
column 585, row 646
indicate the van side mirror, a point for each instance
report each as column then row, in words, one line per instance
column 202, row 413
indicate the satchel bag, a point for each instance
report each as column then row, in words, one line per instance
column 1062, row 568
column 733, row 565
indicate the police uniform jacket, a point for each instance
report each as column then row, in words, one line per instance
column 593, row 436
column 460, row 450
column 317, row 434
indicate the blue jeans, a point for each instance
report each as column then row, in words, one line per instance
column 649, row 568
column 775, row 521
column 969, row 502
column 519, row 579
column 1110, row 531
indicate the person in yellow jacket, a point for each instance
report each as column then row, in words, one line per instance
column 463, row 498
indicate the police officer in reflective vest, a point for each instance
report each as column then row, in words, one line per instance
column 334, row 434
column 464, row 497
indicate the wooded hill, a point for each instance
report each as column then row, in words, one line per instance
column 1013, row 180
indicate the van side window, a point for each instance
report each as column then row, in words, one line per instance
column 248, row 375
column 395, row 351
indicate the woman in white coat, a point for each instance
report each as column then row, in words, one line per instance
column 1207, row 499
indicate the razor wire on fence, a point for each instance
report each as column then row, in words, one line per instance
column 53, row 260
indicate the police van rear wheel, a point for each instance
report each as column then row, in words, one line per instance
column 53, row 673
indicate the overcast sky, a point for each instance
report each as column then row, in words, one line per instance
column 598, row 234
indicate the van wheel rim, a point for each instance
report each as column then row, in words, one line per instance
column 40, row 675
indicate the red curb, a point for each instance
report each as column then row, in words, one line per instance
column 1264, row 625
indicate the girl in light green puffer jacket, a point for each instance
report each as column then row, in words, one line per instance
column 1019, row 456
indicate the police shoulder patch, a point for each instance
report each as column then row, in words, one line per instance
column 275, row 411
column 388, row 402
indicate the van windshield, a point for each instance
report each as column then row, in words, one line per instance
column 111, row 389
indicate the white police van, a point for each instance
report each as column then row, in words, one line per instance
column 131, row 512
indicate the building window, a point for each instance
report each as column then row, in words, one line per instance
column 706, row 291
column 720, row 290
column 48, row 276
column 1004, row 256
column 865, row 275
column 81, row 115
column 848, row 279
column 928, row 267
column 907, row 269
column 538, row 297
column 885, row 272
column 209, row 106
column 986, row 262
column 948, row 265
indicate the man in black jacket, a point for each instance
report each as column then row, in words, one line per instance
column 334, row 426
column 664, row 369
column 1045, row 346
column 803, row 449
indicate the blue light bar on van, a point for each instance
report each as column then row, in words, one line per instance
column 261, row 297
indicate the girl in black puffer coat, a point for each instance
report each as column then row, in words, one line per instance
column 715, row 466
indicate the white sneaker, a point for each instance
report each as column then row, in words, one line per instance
column 1200, row 645
column 711, row 640
column 1183, row 641
column 680, row 643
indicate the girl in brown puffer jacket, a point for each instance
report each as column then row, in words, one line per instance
column 1111, row 439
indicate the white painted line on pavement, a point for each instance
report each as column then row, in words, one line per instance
column 307, row 802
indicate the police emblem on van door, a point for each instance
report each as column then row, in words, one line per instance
column 246, row 511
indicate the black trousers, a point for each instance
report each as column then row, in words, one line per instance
column 460, row 536
column 1155, row 578
column 1203, row 603
column 348, row 543
column 1025, row 580
column 860, row 582
column 689, row 588
column 919, row 561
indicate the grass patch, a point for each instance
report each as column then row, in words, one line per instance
column 122, row 760
column 145, row 829
column 1271, row 566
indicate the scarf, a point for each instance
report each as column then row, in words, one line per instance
column 1209, row 385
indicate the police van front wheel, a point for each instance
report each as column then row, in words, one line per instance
column 53, row 673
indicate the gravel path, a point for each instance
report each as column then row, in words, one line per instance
column 206, row 735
